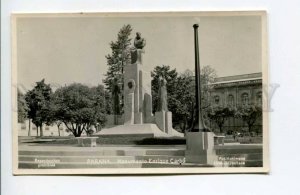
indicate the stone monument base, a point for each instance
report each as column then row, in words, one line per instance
column 200, row 148
column 163, row 120
column 146, row 130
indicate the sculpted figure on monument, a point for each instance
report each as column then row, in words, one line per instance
column 162, row 94
column 139, row 43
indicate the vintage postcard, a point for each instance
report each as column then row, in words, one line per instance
column 140, row 93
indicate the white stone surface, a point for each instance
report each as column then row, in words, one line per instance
column 129, row 114
column 160, row 120
column 168, row 122
column 87, row 141
column 142, row 97
column 136, row 129
column 138, row 117
column 200, row 148
column 131, row 74
column 113, row 120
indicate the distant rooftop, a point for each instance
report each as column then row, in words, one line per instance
column 243, row 77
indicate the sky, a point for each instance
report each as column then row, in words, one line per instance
column 66, row 49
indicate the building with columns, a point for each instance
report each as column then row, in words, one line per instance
column 235, row 91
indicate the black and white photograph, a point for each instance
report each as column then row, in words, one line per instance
column 140, row 93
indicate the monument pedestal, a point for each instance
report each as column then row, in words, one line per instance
column 138, row 117
column 142, row 130
column 200, row 148
column 163, row 120
column 137, row 94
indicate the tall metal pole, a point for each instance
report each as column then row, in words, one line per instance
column 199, row 123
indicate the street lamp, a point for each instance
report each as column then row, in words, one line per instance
column 200, row 141
column 198, row 125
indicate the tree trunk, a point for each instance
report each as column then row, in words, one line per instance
column 221, row 128
column 37, row 130
column 58, row 130
column 250, row 127
column 77, row 133
column 79, row 130
column 29, row 125
column 184, row 124
column 41, row 131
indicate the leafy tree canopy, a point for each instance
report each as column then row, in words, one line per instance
column 181, row 92
column 38, row 101
column 170, row 75
column 249, row 113
column 79, row 107
column 22, row 107
column 219, row 114
column 119, row 57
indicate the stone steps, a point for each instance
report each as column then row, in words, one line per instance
column 248, row 163
column 101, row 158
column 81, row 158
column 86, row 159
column 82, row 165
column 140, row 157
column 105, row 153
column 251, row 156
column 238, row 151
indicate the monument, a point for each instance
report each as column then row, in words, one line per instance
column 200, row 140
column 138, row 116
column 163, row 116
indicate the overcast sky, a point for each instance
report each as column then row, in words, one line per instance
column 64, row 50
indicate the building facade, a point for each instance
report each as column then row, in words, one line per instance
column 235, row 91
column 29, row 129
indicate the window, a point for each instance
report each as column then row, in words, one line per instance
column 230, row 100
column 245, row 99
column 217, row 99
column 47, row 128
column 259, row 98
column 23, row 126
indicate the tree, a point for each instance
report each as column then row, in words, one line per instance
column 80, row 107
column 108, row 102
column 181, row 92
column 100, row 106
column 186, row 90
column 208, row 76
column 116, row 61
column 58, row 124
column 219, row 115
column 184, row 97
column 38, row 100
column 22, row 107
column 249, row 114
column 170, row 76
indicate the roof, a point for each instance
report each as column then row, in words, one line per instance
column 238, row 78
